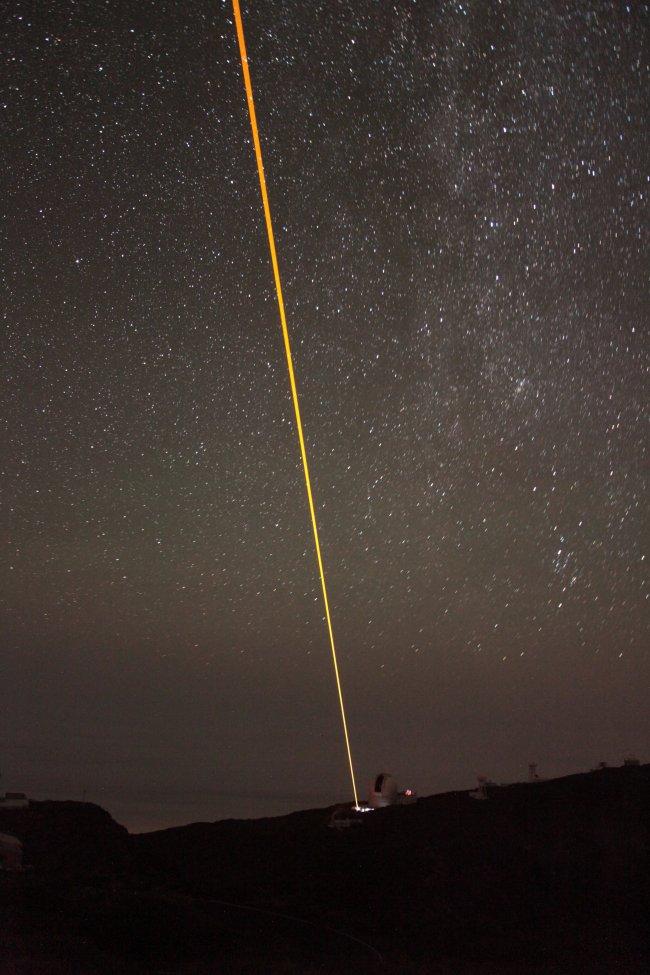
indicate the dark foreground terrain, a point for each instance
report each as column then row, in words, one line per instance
column 550, row 877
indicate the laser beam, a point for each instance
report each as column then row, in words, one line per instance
column 292, row 378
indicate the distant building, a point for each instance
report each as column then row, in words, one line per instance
column 533, row 775
column 481, row 792
column 11, row 853
column 344, row 817
column 631, row 762
column 384, row 792
column 14, row 800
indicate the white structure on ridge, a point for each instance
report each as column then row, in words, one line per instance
column 383, row 791
column 481, row 792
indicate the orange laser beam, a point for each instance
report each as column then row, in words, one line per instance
column 292, row 379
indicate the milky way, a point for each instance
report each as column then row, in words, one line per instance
column 459, row 193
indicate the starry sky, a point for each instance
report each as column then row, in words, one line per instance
column 459, row 191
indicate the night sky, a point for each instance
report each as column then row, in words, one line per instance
column 459, row 192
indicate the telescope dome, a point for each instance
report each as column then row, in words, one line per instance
column 383, row 791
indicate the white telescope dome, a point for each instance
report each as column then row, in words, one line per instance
column 383, row 791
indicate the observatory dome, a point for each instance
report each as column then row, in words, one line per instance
column 383, row 791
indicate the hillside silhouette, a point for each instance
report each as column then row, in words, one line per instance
column 545, row 877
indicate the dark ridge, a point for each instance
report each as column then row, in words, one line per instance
column 545, row 877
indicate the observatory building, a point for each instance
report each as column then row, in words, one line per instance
column 14, row 800
column 384, row 792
